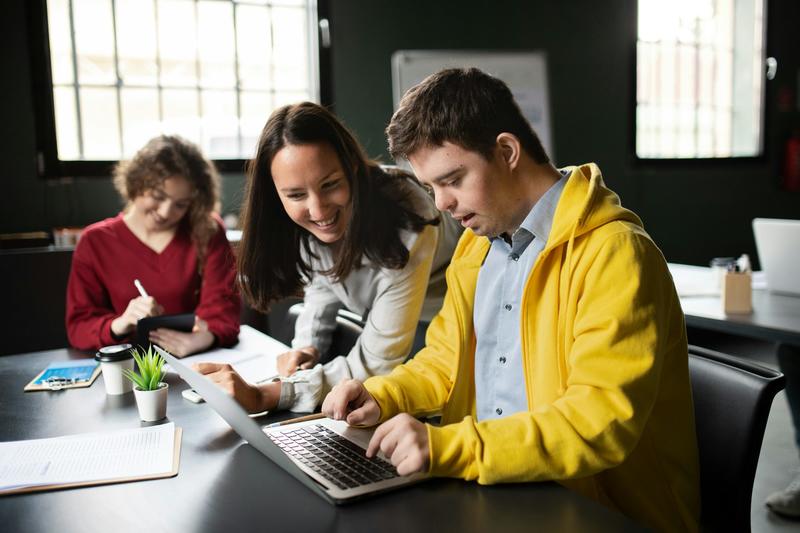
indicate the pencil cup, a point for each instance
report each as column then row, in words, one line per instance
column 719, row 268
column 113, row 360
column 737, row 293
column 152, row 404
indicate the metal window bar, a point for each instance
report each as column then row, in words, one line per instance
column 75, row 84
column 676, row 107
column 271, row 87
column 118, row 77
column 197, row 72
column 159, row 85
column 238, row 91
column 145, row 86
column 696, row 102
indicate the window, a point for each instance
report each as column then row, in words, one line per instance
column 119, row 72
column 699, row 79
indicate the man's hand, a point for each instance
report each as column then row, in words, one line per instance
column 179, row 343
column 299, row 359
column 138, row 308
column 404, row 441
column 254, row 399
column 350, row 401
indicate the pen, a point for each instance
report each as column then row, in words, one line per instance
column 140, row 288
column 315, row 416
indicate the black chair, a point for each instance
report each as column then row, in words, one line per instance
column 34, row 297
column 348, row 328
column 732, row 398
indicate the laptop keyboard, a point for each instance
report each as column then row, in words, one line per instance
column 333, row 457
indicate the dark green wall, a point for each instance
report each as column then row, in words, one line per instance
column 693, row 212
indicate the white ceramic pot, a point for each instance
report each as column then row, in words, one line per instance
column 152, row 404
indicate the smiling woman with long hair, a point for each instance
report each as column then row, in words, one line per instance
column 170, row 238
column 319, row 217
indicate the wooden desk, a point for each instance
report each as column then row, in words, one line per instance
column 225, row 485
column 775, row 317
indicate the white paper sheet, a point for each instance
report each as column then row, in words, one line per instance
column 254, row 357
column 691, row 280
column 88, row 457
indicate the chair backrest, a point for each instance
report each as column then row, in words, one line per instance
column 732, row 399
column 348, row 329
column 34, row 298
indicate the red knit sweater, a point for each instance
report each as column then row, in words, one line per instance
column 109, row 257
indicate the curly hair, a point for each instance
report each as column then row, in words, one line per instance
column 166, row 156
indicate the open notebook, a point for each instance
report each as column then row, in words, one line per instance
column 254, row 357
column 89, row 459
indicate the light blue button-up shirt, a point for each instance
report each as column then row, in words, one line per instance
column 499, row 378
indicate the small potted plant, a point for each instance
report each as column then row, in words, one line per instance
column 150, row 391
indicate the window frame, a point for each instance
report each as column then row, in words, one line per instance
column 695, row 163
column 49, row 166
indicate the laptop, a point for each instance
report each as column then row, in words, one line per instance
column 327, row 456
column 778, row 245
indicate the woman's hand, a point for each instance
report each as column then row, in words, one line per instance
column 138, row 308
column 253, row 398
column 179, row 343
column 299, row 359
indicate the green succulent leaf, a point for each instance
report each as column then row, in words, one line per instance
column 151, row 368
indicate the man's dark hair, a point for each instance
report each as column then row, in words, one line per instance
column 466, row 107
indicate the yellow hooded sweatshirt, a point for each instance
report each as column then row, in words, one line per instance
column 606, row 369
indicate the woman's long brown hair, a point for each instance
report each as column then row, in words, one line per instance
column 269, row 261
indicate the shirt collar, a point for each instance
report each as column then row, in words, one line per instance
column 539, row 220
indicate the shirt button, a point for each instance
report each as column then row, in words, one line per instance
column 514, row 257
column 503, row 359
column 508, row 307
column 498, row 411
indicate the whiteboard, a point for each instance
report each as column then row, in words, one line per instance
column 525, row 73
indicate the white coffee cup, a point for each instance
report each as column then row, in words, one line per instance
column 113, row 360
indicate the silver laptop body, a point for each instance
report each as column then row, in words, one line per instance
column 778, row 244
column 306, row 450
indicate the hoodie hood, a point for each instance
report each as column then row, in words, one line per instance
column 586, row 204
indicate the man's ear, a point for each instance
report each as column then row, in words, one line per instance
column 509, row 149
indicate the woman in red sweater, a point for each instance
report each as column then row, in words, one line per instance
column 170, row 239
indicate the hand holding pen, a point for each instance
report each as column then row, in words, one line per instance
column 138, row 308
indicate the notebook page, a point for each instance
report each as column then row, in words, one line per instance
column 88, row 457
column 254, row 357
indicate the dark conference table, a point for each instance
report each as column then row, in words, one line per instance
column 225, row 485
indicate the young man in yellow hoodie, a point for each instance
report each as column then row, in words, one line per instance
column 560, row 351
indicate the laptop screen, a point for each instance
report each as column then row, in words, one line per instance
column 778, row 244
column 238, row 419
